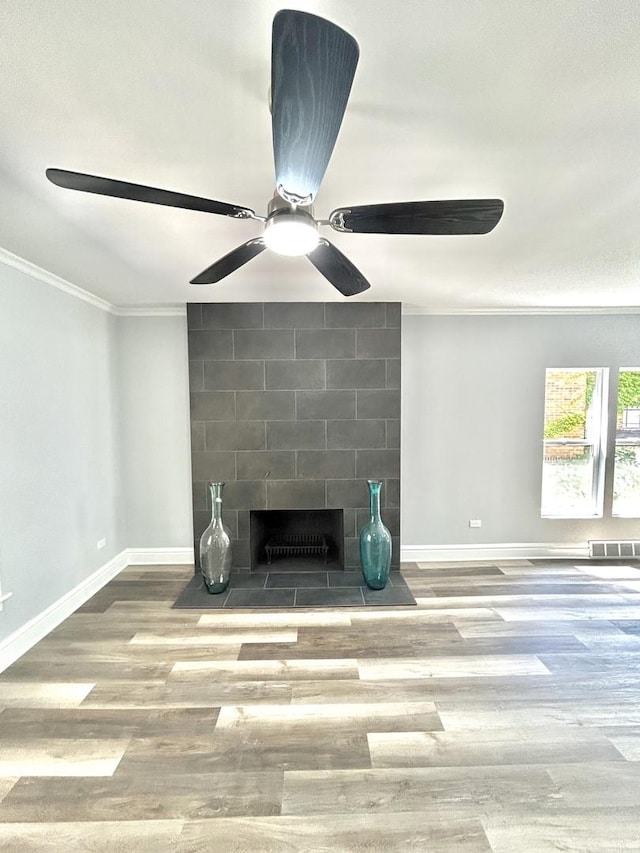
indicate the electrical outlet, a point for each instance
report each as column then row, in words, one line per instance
column 101, row 544
column 475, row 522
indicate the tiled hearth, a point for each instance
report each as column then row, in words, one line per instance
column 280, row 588
column 295, row 406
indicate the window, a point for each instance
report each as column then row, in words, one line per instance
column 626, row 474
column 573, row 471
column 631, row 419
column 574, row 439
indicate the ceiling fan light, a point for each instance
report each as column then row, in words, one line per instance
column 291, row 234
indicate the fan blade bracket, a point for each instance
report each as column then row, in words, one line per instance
column 246, row 213
column 336, row 220
column 293, row 199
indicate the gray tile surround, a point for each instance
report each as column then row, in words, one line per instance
column 295, row 405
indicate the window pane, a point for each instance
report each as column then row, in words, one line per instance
column 572, row 481
column 569, row 395
column 567, row 480
column 626, row 479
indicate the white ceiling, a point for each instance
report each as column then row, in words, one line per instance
column 533, row 101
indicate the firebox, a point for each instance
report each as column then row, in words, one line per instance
column 296, row 540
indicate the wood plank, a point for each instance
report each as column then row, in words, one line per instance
column 149, row 836
column 41, row 693
column 365, row 833
column 445, row 791
column 130, row 797
column 60, row 757
column 125, row 695
column 468, row 666
column 582, row 830
column 526, row 745
column 265, row 670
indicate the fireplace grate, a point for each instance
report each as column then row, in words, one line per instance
column 297, row 545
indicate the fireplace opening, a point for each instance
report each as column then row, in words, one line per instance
column 296, row 540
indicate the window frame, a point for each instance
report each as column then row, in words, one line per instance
column 622, row 442
column 595, row 438
column 633, row 409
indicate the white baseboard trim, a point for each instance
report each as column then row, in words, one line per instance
column 159, row 556
column 18, row 643
column 495, row 551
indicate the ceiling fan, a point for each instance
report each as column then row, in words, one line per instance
column 313, row 63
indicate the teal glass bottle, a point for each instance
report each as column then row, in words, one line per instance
column 215, row 546
column 375, row 543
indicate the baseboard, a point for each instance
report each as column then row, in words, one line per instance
column 159, row 556
column 494, row 551
column 18, row 643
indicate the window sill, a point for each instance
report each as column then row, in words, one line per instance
column 572, row 517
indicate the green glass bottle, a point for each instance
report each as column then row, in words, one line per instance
column 375, row 543
column 215, row 546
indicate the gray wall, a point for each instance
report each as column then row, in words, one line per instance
column 295, row 405
column 154, row 429
column 60, row 490
column 473, row 399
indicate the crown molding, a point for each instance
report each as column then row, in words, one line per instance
column 34, row 271
column 419, row 310
column 150, row 311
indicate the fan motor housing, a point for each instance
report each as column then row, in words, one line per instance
column 289, row 230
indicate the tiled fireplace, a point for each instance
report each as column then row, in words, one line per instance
column 295, row 406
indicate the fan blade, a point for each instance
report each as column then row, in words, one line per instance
column 470, row 216
column 231, row 262
column 313, row 63
column 139, row 192
column 338, row 269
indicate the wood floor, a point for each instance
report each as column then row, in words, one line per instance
column 501, row 714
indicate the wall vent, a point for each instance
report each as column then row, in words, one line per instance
column 602, row 549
